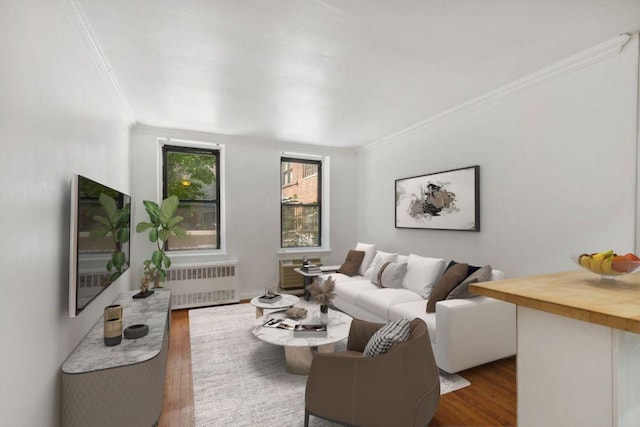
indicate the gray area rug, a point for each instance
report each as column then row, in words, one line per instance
column 240, row 381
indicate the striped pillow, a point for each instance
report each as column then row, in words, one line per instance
column 386, row 337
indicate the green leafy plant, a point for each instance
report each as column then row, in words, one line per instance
column 116, row 223
column 162, row 224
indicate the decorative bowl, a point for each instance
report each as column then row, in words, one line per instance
column 608, row 265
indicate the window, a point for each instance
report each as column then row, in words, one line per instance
column 192, row 174
column 300, row 220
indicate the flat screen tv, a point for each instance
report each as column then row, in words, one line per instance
column 99, row 235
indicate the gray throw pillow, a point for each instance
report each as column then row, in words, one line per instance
column 462, row 290
column 449, row 281
column 386, row 337
column 389, row 274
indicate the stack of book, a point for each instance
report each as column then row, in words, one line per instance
column 312, row 269
column 310, row 331
column 270, row 299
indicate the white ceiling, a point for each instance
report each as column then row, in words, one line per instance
column 332, row 72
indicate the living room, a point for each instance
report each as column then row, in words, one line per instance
column 556, row 146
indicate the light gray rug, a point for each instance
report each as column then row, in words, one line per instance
column 239, row 380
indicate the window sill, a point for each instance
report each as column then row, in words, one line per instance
column 304, row 251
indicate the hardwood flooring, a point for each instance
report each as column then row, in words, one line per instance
column 490, row 400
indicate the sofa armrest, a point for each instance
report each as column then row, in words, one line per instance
column 471, row 332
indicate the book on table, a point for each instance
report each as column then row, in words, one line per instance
column 310, row 331
column 269, row 299
column 288, row 324
column 312, row 269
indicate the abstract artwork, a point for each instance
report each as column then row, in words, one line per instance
column 446, row 200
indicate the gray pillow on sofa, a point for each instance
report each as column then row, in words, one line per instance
column 462, row 290
column 389, row 274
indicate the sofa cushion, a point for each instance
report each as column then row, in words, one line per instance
column 389, row 274
column 451, row 278
column 385, row 337
column 412, row 310
column 422, row 274
column 462, row 290
column 352, row 263
column 380, row 258
column 379, row 300
column 348, row 290
column 369, row 252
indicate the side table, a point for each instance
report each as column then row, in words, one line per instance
column 308, row 277
column 286, row 302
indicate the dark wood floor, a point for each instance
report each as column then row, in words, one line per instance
column 490, row 400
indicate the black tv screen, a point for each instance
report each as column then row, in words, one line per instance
column 99, row 234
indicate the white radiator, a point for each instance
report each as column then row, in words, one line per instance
column 202, row 285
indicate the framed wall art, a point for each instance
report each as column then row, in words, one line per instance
column 448, row 200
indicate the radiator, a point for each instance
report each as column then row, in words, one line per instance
column 203, row 285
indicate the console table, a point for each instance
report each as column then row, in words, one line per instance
column 578, row 348
column 121, row 385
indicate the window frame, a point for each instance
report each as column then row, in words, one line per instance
column 196, row 148
column 319, row 163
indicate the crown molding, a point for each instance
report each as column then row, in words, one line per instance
column 87, row 35
column 575, row 62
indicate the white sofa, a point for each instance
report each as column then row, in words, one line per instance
column 464, row 332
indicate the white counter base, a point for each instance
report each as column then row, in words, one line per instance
column 575, row 373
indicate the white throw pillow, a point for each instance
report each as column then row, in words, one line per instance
column 379, row 259
column 389, row 274
column 402, row 259
column 422, row 274
column 369, row 252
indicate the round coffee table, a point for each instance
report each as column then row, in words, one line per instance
column 298, row 351
column 286, row 302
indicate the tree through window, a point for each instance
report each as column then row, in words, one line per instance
column 192, row 174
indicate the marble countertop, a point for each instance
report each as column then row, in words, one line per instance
column 576, row 294
column 93, row 355
column 337, row 329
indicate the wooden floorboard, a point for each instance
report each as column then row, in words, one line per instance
column 490, row 400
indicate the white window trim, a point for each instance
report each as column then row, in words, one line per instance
column 326, row 234
column 191, row 254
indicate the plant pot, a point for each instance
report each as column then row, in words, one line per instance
column 324, row 314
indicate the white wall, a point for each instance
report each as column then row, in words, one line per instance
column 57, row 117
column 557, row 172
column 252, row 179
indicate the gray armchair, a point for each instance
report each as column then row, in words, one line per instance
column 398, row 388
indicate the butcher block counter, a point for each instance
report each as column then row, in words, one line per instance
column 578, row 359
column 575, row 294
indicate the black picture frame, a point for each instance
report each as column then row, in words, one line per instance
column 448, row 200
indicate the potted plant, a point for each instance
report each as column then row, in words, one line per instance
column 162, row 224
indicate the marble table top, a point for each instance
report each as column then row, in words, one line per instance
column 337, row 329
column 93, row 355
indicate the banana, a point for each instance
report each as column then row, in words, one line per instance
column 606, row 266
column 585, row 260
column 596, row 261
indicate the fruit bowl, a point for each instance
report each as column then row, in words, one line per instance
column 608, row 264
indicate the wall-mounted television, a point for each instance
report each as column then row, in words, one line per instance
column 99, row 235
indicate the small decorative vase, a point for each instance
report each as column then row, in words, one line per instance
column 324, row 314
column 112, row 325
